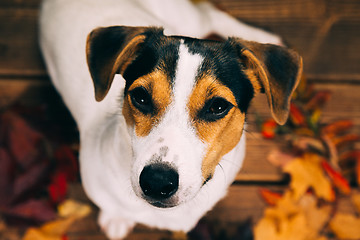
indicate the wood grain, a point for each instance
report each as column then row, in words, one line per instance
column 326, row 34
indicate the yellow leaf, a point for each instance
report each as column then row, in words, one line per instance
column 306, row 172
column 355, row 198
column 288, row 220
column 53, row 230
column 316, row 216
column 37, row 234
column 73, row 208
column 58, row 227
column 70, row 210
column 345, row 226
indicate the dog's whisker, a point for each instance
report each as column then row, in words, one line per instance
column 223, row 171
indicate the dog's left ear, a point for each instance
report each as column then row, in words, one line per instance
column 274, row 70
column 111, row 50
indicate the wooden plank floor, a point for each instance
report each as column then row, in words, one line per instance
column 326, row 33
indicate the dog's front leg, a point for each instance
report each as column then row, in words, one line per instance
column 226, row 26
column 114, row 227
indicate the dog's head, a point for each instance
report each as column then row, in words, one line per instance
column 185, row 101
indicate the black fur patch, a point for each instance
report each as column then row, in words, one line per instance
column 221, row 60
column 157, row 52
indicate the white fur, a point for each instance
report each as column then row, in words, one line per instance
column 108, row 171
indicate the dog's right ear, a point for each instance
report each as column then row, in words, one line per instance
column 110, row 51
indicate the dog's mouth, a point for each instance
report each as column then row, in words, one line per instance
column 162, row 204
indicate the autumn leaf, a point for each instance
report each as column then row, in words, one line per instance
column 70, row 211
column 306, row 172
column 316, row 217
column 337, row 127
column 297, row 117
column 22, row 141
column 67, row 162
column 346, row 139
column 269, row 129
column 7, row 169
column 357, row 171
column 338, row 180
column 291, row 220
column 345, row 226
column 270, row 197
column 70, row 208
column 355, row 198
column 308, row 144
column 36, row 210
column 318, row 100
column 280, row 158
column 54, row 230
column 58, row 188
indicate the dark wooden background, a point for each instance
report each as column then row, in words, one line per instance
column 325, row 32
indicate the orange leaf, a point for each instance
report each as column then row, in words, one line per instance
column 296, row 116
column 318, row 100
column 346, row 139
column 338, row 180
column 270, row 197
column 357, row 171
column 337, row 127
column 355, row 198
column 54, row 230
column 269, row 128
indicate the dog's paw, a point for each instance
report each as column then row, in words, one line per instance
column 115, row 228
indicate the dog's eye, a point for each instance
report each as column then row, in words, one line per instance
column 214, row 109
column 141, row 99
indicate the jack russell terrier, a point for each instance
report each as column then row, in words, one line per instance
column 160, row 112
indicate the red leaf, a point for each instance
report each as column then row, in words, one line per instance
column 64, row 237
column 296, row 115
column 269, row 128
column 21, row 139
column 36, row 210
column 6, row 176
column 270, row 197
column 67, row 162
column 58, row 188
column 338, row 180
column 30, row 179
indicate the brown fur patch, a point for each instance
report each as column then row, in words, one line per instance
column 222, row 135
column 158, row 86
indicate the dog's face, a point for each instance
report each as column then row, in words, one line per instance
column 185, row 101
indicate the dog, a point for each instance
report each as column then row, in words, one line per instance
column 160, row 111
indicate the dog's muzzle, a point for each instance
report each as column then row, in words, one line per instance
column 159, row 182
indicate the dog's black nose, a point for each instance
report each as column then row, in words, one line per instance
column 159, row 181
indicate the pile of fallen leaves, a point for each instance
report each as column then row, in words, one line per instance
column 35, row 170
column 324, row 168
